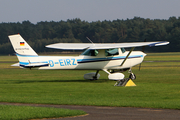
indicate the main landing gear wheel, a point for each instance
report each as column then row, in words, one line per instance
column 95, row 77
column 92, row 76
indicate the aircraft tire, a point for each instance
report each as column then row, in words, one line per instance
column 132, row 76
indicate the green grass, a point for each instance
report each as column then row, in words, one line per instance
column 8, row 112
column 154, row 89
column 175, row 56
column 158, row 86
column 8, row 59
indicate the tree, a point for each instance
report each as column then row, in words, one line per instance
column 75, row 30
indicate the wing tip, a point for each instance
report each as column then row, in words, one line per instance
column 159, row 43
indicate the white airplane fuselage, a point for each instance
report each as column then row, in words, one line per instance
column 83, row 62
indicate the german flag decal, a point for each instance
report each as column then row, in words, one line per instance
column 21, row 43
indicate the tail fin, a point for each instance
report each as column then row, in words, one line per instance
column 20, row 46
column 24, row 52
column 28, row 58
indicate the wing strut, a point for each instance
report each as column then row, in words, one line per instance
column 127, row 56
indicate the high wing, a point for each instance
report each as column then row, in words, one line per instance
column 70, row 46
column 82, row 46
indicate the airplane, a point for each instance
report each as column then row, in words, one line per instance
column 111, row 58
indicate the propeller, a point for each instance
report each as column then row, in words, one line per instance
column 143, row 48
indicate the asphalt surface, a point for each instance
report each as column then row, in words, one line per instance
column 113, row 113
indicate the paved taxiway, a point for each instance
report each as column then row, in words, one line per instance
column 113, row 113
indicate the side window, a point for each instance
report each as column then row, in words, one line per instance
column 123, row 50
column 111, row 52
column 90, row 52
column 95, row 52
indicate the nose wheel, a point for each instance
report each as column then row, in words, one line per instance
column 132, row 76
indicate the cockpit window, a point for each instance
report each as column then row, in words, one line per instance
column 123, row 50
column 90, row 52
column 111, row 52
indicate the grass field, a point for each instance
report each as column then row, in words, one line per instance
column 158, row 85
column 8, row 112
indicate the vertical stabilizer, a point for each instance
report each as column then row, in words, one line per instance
column 21, row 47
column 24, row 52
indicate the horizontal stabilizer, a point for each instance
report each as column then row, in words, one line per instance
column 15, row 65
column 32, row 65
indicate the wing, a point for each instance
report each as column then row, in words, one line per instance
column 70, row 46
column 81, row 46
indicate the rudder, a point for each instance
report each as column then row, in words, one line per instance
column 21, row 47
column 24, row 52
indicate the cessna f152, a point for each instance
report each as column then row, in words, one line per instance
column 109, row 57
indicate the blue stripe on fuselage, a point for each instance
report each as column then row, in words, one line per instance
column 106, row 59
column 26, row 55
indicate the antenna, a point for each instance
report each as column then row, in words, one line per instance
column 90, row 40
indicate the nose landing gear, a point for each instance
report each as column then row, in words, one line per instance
column 127, row 81
column 132, row 76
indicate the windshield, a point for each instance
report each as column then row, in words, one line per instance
column 90, row 52
column 111, row 52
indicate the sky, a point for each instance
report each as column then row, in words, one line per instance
column 88, row 10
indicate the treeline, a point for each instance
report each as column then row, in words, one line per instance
column 116, row 31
